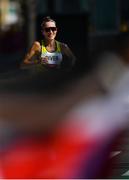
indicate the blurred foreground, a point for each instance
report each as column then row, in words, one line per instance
column 62, row 125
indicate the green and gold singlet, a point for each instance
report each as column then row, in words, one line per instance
column 49, row 60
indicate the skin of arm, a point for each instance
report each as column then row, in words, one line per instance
column 36, row 48
column 67, row 52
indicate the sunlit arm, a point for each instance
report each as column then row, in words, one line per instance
column 36, row 47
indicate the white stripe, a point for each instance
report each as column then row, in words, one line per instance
column 126, row 173
column 114, row 153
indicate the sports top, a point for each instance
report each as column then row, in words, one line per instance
column 51, row 58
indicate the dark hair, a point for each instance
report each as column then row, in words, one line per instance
column 46, row 19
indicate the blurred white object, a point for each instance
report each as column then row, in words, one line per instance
column 110, row 70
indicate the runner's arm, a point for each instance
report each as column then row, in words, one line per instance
column 67, row 52
column 36, row 48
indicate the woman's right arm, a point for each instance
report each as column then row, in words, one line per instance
column 36, row 48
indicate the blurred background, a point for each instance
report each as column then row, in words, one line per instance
column 87, row 26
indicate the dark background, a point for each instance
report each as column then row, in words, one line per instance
column 87, row 26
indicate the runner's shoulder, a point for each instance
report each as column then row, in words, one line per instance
column 36, row 46
column 63, row 45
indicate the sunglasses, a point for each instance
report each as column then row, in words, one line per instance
column 48, row 29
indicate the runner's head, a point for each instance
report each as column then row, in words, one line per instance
column 48, row 28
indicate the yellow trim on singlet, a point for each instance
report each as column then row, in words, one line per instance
column 43, row 48
column 58, row 46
